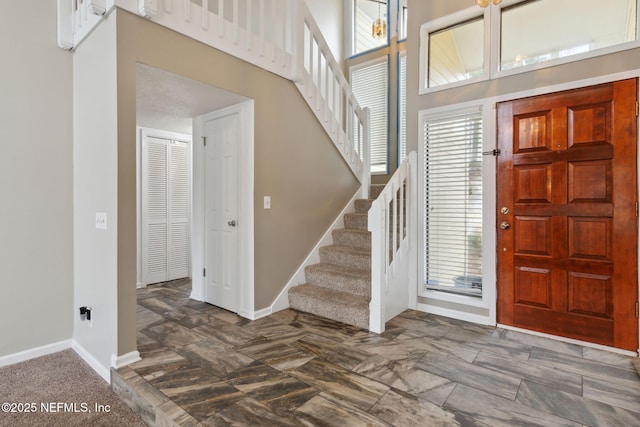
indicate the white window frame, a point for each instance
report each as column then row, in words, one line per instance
column 492, row 17
column 487, row 301
column 446, row 22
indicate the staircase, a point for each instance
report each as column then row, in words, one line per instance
column 339, row 287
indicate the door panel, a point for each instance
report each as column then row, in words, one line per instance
column 221, row 205
column 567, row 261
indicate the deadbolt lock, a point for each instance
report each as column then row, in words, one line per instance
column 504, row 210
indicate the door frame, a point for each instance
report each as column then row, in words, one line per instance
column 245, row 273
column 468, row 312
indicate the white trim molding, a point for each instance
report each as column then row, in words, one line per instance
column 32, row 353
column 282, row 300
column 118, row 362
column 100, row 369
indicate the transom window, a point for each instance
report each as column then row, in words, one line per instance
column 478, row 44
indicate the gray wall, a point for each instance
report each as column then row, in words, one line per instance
column 95, row 190
column 36, row 179
column 295, row 162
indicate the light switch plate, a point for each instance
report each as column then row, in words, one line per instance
column 101, row 220
column 267, row 202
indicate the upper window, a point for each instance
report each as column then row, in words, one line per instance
column 456, row 53
column 370, row 25
column 370, row 83
column 403, row 16
column 476, row 44
column 542, row 30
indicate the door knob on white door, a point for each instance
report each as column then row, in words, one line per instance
column 232, row 223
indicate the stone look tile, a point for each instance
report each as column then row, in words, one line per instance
column 541, row 374
column 171, row 334
column 578, row 409
column 358, row 390
column 323, row 410
column 158, row 363
column 215, row 357
column 226, row 333
column 497, row 411
column 205, row 366
column 401, row 375
column 335, row 353
column 137, row 393
column 478, row 377
column 586, row 367
column 541, row 342
column 276, row 354
column 197, row 391
column 168, row 414
column 399, row 410
column 627, row 397
column 249, row 412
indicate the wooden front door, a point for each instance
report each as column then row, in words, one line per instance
column 567, row 222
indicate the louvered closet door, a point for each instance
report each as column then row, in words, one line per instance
column 155, row 186
column 178, row 210
column 165, row 210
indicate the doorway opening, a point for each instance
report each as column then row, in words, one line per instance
column 170, row 104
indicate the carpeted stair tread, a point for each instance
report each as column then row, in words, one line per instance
column 345, row 279
column 346, row 256
column 356, row 221
column 340, row 306
column 363, row 205
column 352, row 237
column 375, row 190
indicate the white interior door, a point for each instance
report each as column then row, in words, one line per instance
column 222, row 136
column 166, row 205
column 179, row 208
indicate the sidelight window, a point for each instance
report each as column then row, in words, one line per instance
column 452, row 197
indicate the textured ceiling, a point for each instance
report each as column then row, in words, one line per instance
column 169, row 102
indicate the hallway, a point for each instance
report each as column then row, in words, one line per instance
column 202, row 364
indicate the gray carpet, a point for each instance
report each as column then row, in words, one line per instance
column 64, row 383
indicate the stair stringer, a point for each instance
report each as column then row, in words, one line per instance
column 282, row 300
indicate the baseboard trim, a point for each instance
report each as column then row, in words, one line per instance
column 282, row 300
column 100, row 369
column 262, row 313
column 32, row 353
column 125, row 359
column 455, row 314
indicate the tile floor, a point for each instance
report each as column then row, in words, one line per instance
column 202, row 365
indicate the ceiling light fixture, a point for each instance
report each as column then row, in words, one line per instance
column 379, row 27
column 485, row 3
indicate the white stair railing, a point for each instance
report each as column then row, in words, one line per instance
column 280, row 36
column 393, row 227
column 76, row 19
column 320, row 80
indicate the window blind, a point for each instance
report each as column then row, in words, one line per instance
column 453, row 203
column 402, row 107
column 370, row 87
